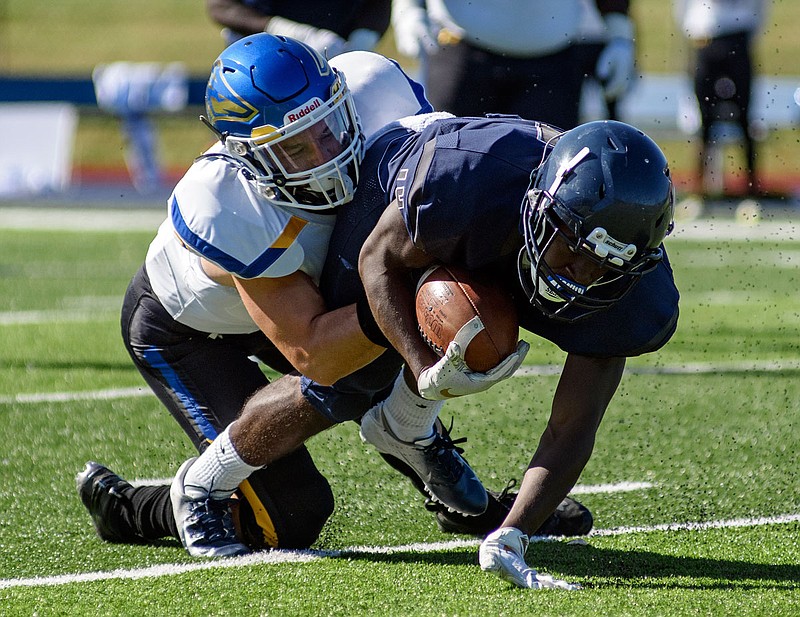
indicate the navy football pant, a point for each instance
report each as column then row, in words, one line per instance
column 204, row 383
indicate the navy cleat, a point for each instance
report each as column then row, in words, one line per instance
column 205, row 525
column 447, row 477
column 571, row 518
column 107, row 498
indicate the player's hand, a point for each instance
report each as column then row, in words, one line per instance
column 450, row 376
column 324, row 41
column 615, row 66
column 503, row 552
column 413, row 34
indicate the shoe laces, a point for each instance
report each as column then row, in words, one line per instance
column 212, row 517
column 439, row 449
column 506, row 497
column 444, row 439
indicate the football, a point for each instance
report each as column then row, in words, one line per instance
column 450, row 301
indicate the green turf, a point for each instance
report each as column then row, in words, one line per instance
column 714, row 446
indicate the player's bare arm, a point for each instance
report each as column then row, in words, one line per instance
column 323, row 345
column 237, row 16
column 582, row 396
column 385, row 265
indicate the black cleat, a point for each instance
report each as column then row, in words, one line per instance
column 446, row 476
column 107, row 498
column 570, row 518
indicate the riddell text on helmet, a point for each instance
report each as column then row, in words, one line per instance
column 296, row 114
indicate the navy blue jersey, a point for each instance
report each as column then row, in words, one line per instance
column 460, row 183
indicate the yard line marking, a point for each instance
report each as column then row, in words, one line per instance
column 66, row 397
column 286, row 556
column 678, row 369
column 26, row 318
column 619, row 487
column 580, row 489
column 699, row 368
column 700, row 526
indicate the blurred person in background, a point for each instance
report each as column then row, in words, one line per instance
column 592, row 40
column 513, row 56
column 329, row 26
column 721, row 35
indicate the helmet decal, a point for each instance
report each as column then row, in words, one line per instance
column 223, row 103
column 322, row 64
column 303, row 110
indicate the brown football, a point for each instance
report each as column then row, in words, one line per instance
column 450, row 297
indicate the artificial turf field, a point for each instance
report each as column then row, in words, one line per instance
column 694, row 482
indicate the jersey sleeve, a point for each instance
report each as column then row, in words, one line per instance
column 216, row 214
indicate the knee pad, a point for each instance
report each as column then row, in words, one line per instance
column 284, row 505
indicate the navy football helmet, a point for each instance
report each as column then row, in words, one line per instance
column 605, row 190
column 285, row 114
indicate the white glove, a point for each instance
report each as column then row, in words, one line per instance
column 413, row 34
column 450, row 376
column 616, row 62
column 324, row 41
column 503, row 552
column 362, row 39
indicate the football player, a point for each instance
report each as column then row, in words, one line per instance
column 582, row 256
column 232, row 274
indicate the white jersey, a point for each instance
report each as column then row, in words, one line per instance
column 521, row 28
column 216, row 212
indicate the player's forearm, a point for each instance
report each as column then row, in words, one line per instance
column 553, row 471
column 391, row 300
column 385, row 265
column 237, row 16
column 335, row 347
column 584, row 392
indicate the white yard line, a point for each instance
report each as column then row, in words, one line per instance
column 82, row 219
column 283, row 556
column 136, row 218
column 525, row 371
column 619, row 487
column 66, row 397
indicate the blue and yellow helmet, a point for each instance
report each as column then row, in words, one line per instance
column 288, row 117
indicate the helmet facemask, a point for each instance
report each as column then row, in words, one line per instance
column 313, row 160
column 547, row 222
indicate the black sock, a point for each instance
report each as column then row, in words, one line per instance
column 153, row 516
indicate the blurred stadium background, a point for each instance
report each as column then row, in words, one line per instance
column 49, row 50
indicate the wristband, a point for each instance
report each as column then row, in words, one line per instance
column 368, row 324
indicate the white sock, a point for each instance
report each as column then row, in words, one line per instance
column 218, row 471
column 409, row 416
